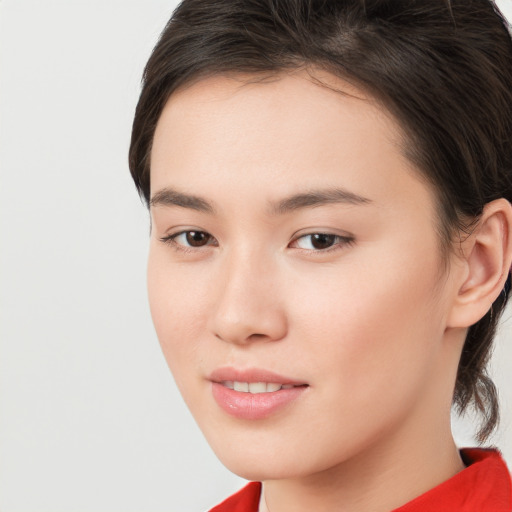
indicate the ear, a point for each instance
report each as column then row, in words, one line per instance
column 486, row 261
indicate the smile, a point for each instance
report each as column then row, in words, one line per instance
column 255, row 387
column 254, row 393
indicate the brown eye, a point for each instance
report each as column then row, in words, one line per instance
column 189, row 239
column 318, row 242
column 197, row 238
column 322, row 240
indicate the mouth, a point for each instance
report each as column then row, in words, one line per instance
column 254, row 394
column 253, row 380
column 257, row 387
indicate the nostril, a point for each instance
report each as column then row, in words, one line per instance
column 234, row 322
column 251, row 337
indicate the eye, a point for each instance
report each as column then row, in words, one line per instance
column 320, row 241
column 189, row 239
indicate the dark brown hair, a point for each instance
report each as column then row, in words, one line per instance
column 442, row 68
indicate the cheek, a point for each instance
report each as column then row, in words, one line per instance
column 176, row 300
column 371, row 325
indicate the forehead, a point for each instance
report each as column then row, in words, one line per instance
column 289, row 130
column 298, row 94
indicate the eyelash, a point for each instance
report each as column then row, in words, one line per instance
column 340, row 242
column 171, row 240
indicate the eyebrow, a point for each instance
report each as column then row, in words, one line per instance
column 314, row 198
column 310, row 199
column 171, row 197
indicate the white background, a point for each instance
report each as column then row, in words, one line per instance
column 89, row 416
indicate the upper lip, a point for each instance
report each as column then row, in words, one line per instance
column 230, row 374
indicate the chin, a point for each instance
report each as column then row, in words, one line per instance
column 259, row 469
column 256, row 459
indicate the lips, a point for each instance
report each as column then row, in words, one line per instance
column 228, row 374
column 254, row 393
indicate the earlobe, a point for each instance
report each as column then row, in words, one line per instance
column 487, row 258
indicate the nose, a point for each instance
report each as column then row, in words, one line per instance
column 249, row 305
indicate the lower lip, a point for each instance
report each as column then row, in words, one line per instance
column 253, row 406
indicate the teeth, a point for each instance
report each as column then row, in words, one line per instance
column 241, row 386
column 256, row 387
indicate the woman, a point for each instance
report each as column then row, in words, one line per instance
column 331, row 238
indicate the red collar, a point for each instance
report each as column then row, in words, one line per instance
column 246, row 499
column 484, row 486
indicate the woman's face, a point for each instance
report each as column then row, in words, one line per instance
column 294, row 245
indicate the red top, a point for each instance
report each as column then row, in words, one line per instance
column 484, row 486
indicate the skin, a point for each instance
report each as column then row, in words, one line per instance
column 370, row 324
